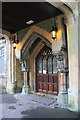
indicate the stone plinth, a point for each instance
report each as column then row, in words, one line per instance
column 26, row 89
column 10, row 87
column 63, row 99
column 63, row 94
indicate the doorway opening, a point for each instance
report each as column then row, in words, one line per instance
column 46, row 72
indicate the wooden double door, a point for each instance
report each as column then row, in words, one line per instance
column 46, row 72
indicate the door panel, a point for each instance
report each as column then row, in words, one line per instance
column 47, row 77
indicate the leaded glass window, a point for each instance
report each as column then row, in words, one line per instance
column 40, row 66
column 54, row 64
column 49, row 65
column 44, row 65
column 2, row 60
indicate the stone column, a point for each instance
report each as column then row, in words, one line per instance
column 25, row 89
column 13, row 66
column 63, row 82
column 63, row 91
column 25, row 78
column 62, row 96
column 11, row 84
column 74, row 58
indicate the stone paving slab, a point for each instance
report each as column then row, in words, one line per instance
column 43, row 100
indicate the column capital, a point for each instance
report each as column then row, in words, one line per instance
column 23, row 66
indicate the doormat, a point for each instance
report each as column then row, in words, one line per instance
column 42, row 100
column 40, row 94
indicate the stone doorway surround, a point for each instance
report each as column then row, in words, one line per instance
column 32, row 35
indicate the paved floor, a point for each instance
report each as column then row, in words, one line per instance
column 16, row 106
column 45, row 100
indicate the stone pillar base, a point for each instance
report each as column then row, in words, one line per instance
column 63, row 99
column 10, row 87
column 25, row 90
column 73, row 101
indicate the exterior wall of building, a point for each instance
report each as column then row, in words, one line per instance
column 73, row 51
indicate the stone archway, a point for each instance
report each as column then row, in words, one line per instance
column 32, row 35
column 31, row 39
column 35, row 42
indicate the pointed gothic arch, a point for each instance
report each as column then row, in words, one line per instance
column 32, row 35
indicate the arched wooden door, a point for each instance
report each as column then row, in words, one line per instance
column 46, row 72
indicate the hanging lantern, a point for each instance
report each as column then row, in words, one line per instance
column 15, row 41
column 54, row 30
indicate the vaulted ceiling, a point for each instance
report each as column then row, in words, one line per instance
column 16, row 14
